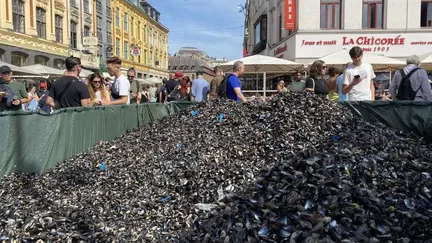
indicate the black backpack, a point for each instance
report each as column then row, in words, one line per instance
column 405, row 91
column 222, row 88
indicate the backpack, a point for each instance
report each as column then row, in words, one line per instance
column 405, row 91
column 222, row 88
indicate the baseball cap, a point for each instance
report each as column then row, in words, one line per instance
column 5, row 69
column 178, row 75
column 43, row 85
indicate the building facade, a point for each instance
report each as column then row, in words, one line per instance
column 102, row 20
column 139, row 39
column 34, row 32
column 393, row 28
column 190, row 60
column 80, row 27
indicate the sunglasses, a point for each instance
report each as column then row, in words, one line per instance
column 324, row 67
column 6, row 73
column 131, row 76
column 97, row 82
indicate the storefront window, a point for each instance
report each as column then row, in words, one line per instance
column 18, row 59
column 426, row 14
column 373, row 13
column 330, row 14
column 42, row 60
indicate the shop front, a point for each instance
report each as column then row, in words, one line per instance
column 307, row 47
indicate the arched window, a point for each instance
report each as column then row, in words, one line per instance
column 18, row 58
column 42, row 60
column 59, row 63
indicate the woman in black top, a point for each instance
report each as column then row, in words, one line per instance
column 315, row 82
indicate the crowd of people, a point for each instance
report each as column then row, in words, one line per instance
column 355, row 83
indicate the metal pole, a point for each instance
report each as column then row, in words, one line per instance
column 264, row 83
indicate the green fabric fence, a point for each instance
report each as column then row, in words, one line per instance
column 35, row 142
column 406, row 116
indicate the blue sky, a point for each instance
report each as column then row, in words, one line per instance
column 213, row 26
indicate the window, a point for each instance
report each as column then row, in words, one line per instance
column 117, row 47
column 132, row 27
column 139, row 31
column 86, row 31
column 99, row 28
column 117, row 17
column 41, row 22
column 150, row 35
column 330, row 14
column 59, row 63
column 59, row 28
column 42, row 60
column 99, row 6
column 73, row 2
column 125, row 19
column 426, row 14
column 86, row 6
column 257, row 31
column 18, row 15
column 73, row 35
column 151, row 59
column 109, row 38
column 1, row 54
column 125, row 50
column 18, row 59
column 145, row 34
column 145, row 57
column 373, row 14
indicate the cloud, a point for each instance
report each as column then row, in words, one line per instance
column 193, row 23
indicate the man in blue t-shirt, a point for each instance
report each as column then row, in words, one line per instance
column 234, row 91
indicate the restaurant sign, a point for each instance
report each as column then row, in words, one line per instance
column 393, row 45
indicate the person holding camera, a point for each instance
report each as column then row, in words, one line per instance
column 358, row 78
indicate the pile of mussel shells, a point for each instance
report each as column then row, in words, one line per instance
column 298, row 168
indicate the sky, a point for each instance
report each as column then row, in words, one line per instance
column 213, row 26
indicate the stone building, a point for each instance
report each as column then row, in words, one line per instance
column 190, row 60
column 81, row 26
column 393, row 28
column 102, row 20
column 139, row 39
column 34, row 32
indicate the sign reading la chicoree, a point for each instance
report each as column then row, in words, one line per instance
column 391, row 45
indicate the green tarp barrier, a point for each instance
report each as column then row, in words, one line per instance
column 35, row 142
column 406, row 116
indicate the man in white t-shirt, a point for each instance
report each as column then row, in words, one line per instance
column 358, row 78
column 121, row 87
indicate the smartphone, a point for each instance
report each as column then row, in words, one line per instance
column 356, row 76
